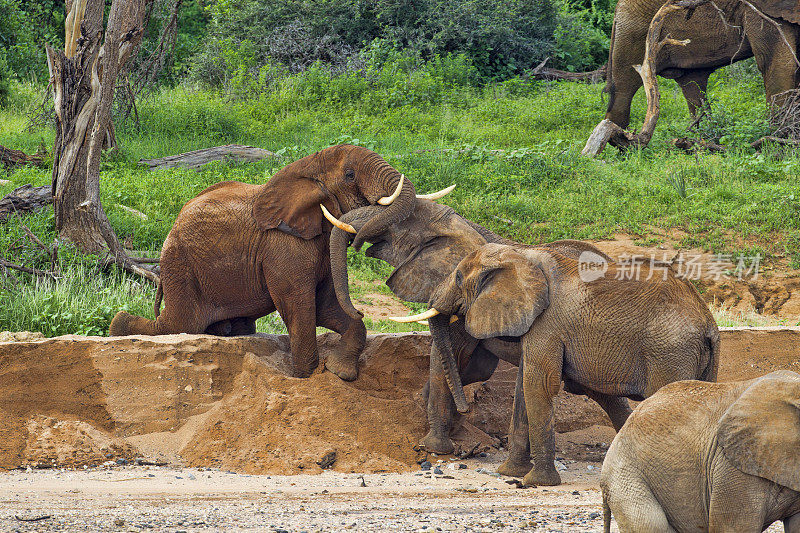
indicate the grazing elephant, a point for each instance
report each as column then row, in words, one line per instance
column 424, row 249
column 238, row 252
column 708, row 457
column 615, row 331
column 721, row 32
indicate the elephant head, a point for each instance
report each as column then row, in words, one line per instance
column 423, row 248
column 498, row 290
column 341, row 178
column 760, row 431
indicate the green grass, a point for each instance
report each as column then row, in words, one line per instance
column 538, row 189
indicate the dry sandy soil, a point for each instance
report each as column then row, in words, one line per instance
column 75, row 413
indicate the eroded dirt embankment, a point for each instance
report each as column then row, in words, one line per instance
column 227, row 403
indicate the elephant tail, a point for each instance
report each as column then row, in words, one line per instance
column 159, row 297
column 712, row 340
column 606, row 514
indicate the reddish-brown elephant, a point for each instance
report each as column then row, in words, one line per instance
column 238, row 252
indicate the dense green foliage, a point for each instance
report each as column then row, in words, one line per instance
column 512, row 147
column 499, row 38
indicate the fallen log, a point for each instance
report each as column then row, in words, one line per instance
column 198, row 158
column 11, row 158
column 543, row 73
column 25, row 199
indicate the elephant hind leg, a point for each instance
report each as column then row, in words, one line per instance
column 634, row 506
column 694, row 84
column 127, row 324
column 616, row 407
column 519, row 445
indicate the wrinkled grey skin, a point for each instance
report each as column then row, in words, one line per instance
column 424, row 249
column 701, row 456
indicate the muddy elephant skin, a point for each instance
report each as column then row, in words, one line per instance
column 708, row 457
column 616, row 332
column 237, row 252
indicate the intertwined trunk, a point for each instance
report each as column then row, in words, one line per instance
column 83, row 77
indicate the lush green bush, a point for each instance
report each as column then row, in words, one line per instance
column 25, row 26
column 499, row 39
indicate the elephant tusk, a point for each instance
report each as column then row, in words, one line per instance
column 336, row 222
column 453, row 318
column 387, row 200
column 438, row 194
column 415, row 318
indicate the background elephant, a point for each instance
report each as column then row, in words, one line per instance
column 237, row 252
column 717, row 41
column 614, row 335
column 424, row 249
column 708, row 457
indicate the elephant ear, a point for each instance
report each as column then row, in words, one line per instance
column 788, row 10
column 291, row 204
column 760, row 431
column 510, row 295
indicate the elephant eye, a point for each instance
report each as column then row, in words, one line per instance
column 484, row 280
column 349, row 174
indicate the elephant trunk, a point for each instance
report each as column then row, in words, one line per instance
column 338, row 248
column 400, row 209
column 443, row 350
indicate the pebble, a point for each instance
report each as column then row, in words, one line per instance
column 426, row 465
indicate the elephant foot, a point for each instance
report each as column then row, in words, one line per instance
column 515, row 467
column 543, row 476
column 437, row 444
column 344, row 367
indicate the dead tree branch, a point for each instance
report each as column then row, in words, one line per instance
column 543, row 73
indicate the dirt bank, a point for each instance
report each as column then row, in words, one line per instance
column 227, row 403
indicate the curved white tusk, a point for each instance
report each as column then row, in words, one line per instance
column 387, row 200
column 438, row 194
column 453, row 318
column 415, row 318
column 336, row 222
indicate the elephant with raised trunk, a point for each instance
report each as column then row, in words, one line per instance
column 424, row 249
column 612, row 330
column 237, row 252
column 708, row 457
column 720, row 32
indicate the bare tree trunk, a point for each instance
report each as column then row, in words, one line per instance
column 83, row 79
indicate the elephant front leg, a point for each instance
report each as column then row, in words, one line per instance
column 440, row 410
column 519, row 445
column 480, row 366
column 344, row 360
column 541, row 383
